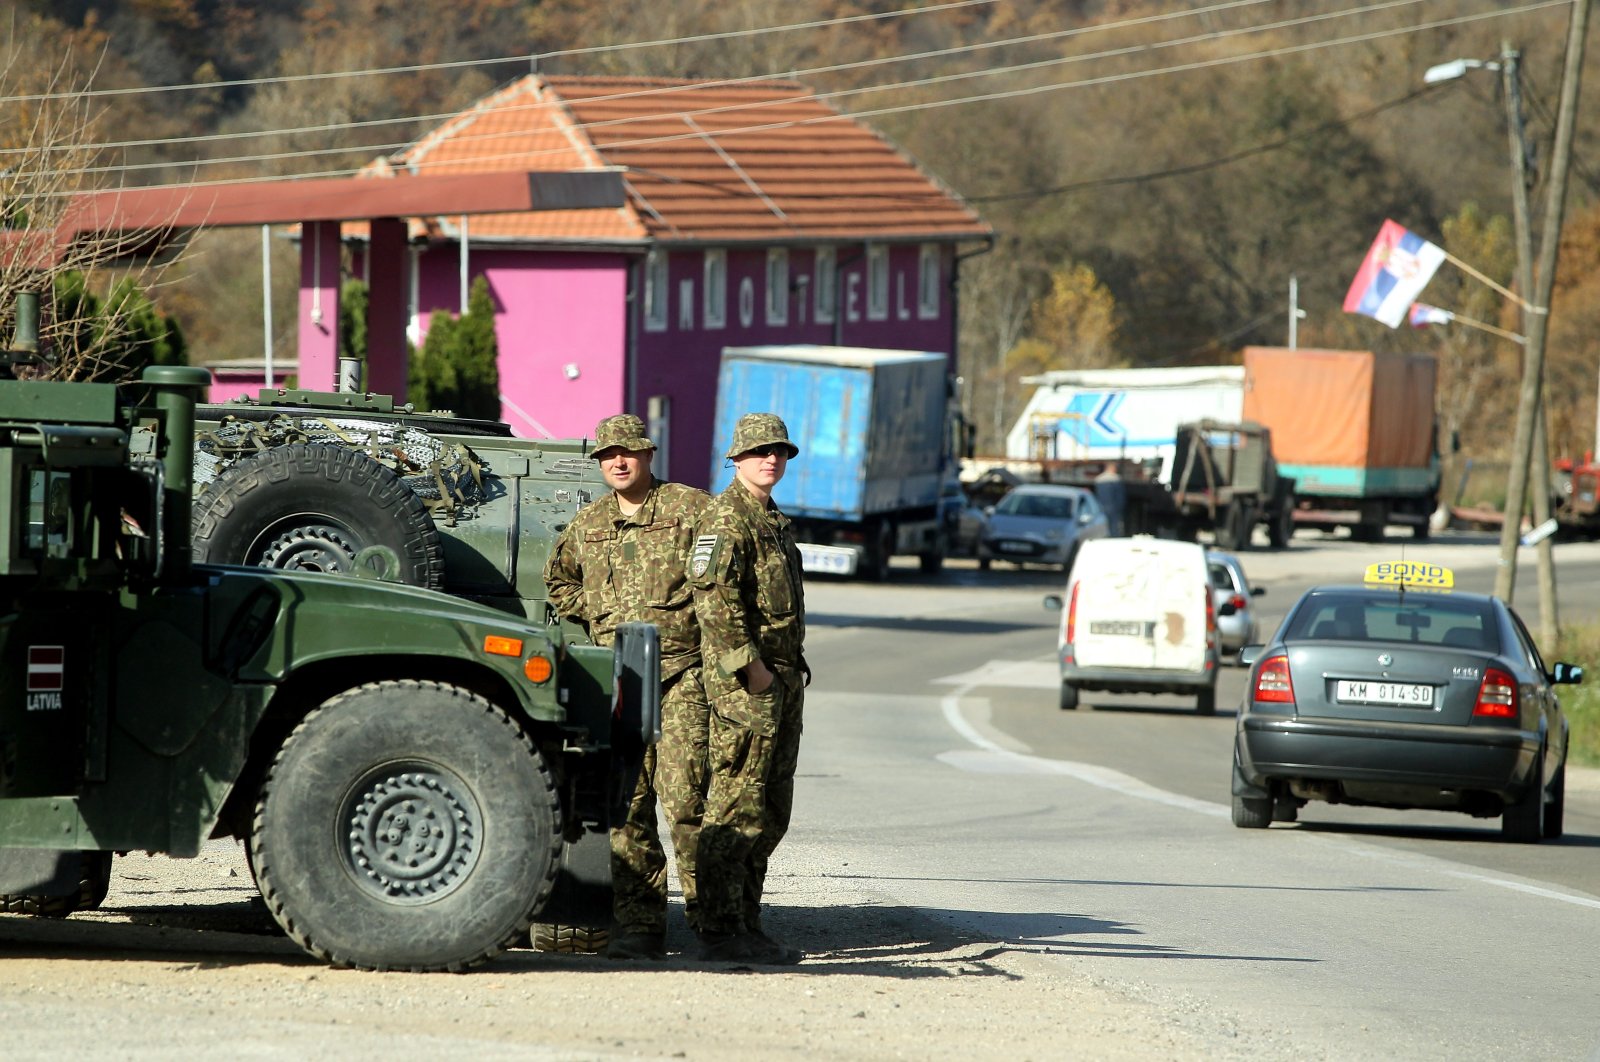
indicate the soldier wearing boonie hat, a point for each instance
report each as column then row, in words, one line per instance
column 623, row 431
column 624, row 558
column 756, row 430
column 747, row 593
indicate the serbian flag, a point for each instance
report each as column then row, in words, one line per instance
column 1397, row 268
column 1422, row 315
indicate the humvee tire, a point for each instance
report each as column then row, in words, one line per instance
column 406, row 825
column 317, row 507
column 94, row 881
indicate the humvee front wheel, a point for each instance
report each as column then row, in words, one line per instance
column 317, row 507
column 406, row 825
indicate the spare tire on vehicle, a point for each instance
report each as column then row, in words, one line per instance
column 318, row 507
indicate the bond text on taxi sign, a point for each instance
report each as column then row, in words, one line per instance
column 1410, row 574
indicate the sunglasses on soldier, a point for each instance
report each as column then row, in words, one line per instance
column 769, row 450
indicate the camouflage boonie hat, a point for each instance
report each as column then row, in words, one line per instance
column 756, row 430
column 623, row 431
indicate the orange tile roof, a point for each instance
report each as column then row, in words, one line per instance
column 748, row 161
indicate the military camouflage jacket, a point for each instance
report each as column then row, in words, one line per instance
column 607, row 569
column 745, row 569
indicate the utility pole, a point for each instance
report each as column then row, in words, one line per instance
column 1539, row 471
column 1539, row 312
column 1296, row 314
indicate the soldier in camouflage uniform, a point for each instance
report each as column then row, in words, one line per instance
column 745, row 569
column 621, row 559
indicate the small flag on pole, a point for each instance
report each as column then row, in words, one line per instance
column 1423, row 315
column 1397, row 267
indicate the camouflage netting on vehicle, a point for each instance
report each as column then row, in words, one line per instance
column 447, row 476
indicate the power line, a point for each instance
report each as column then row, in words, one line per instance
column 1385, row 5
column 1209, row 164
column 532, row 58
column 1031, row 90
column 980, row 46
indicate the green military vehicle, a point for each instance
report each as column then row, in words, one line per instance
column 402, row 766
column 352, row 483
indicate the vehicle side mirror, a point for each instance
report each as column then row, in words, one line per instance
column 988, row 510
column 1257, row 591
column 1250, row 654
column 1053, row 603
column 1227, row 608
column 1567, row 674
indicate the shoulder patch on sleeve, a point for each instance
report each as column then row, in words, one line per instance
column 700, row 558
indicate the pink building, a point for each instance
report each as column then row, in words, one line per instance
column 754, row 214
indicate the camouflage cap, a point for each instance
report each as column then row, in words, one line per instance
column 756, row 430
column 621, row 432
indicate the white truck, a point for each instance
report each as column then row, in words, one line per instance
column 1121, row 413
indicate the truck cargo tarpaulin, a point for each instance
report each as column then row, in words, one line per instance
column 1342, row 409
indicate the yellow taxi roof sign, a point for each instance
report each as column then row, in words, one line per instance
column 1410, row 574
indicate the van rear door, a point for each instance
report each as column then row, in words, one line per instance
column 1141, row 604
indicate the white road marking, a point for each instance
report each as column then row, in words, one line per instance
column 988, row 757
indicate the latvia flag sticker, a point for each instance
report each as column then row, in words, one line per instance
column 45, row 668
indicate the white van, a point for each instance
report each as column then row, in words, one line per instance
column 1139, row 617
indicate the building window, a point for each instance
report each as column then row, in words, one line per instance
column 877, row 282
column 655, row 291
column 825, row 282
column 715, row 311
column 928, row 281
column 777, row 286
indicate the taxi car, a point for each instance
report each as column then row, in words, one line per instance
column 1401, row 693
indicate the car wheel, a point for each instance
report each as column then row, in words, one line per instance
column 407, row 825
column 1523, row 822
column 1206, row 703
column 932, row 562
column 1555, row 811
column 1252, row 813
column 1281, row 529
column 1069, row 697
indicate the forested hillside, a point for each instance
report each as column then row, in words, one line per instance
column 1158, row 170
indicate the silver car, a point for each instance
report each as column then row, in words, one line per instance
column 1040, row 523
column 1238, row 628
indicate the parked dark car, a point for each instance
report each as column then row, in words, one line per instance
column 1390, row 695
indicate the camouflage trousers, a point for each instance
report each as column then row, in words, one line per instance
column 755, row 747
column 675, row 771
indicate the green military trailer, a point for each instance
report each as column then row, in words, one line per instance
column 402, row 766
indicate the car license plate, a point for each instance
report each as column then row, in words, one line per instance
column 1400, row 694
column 1014, row 547
column 828, row 560
column 1135, row 628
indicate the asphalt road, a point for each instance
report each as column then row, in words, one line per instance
column 974, row 874
column 1102, row 836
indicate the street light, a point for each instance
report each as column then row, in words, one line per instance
column 1456, row 68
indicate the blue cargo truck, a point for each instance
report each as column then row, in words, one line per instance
column 876, row 433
